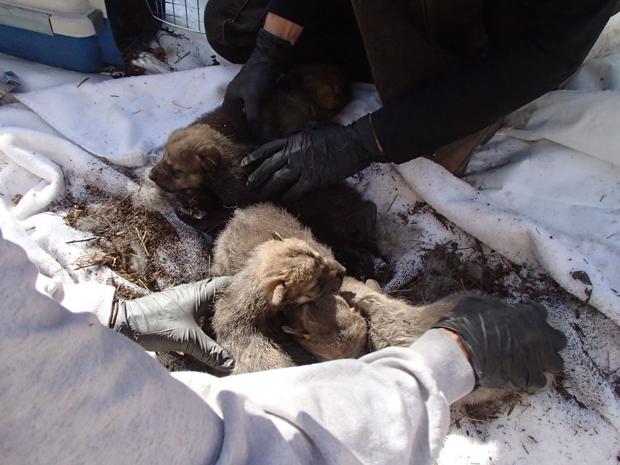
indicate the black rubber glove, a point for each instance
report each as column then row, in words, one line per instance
column 305, row 161
column 510, row 346
column 259, row 75
column 166, row 322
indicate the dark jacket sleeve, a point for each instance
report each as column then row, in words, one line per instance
column 302, row 12
column 558, row 37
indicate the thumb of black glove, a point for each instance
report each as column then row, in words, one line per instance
column 166, row 322
column 510, row 346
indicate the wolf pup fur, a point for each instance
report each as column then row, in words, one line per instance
column 279, row 273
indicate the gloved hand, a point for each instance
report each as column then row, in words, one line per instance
column 258, row 76
column 510, row 346
column 302, row 162
column 167, row 322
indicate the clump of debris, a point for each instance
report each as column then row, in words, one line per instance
column 446, row 270
column 138, row 244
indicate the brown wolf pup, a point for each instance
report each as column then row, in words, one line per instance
column 247, row 316
column 393, row 322
column 329, row 328
column 206, row 155
column 250, row 227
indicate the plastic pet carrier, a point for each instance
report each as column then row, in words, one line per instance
column 73, row 34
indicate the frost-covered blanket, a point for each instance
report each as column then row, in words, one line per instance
column 542, row 198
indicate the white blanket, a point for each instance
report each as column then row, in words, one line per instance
column 545, row 192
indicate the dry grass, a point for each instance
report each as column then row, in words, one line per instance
column 137, row 244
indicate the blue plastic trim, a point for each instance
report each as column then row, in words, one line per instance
column 110, row 53
column 84, row 54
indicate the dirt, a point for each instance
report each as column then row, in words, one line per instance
column 490, row 410
column 558, row 385
column 446, row 269
column 137, row 244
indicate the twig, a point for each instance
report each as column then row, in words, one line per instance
column 391, row 204
column 181, row 58
column 98, row 215
column 512, row 407
column 82, row 82
column 82, row 240
column 175, row 103
column 116, row 204
column 64, row 178
column 88, row 265
column 142, row 242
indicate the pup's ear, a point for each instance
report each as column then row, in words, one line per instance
column 209, row 159
column 296, row 332
column 276, row 292
column 276, row 236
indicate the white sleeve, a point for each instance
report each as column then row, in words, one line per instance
column 389, row 407
column 75, row 392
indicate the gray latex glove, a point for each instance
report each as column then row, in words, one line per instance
column 510, row 346
column 167, row 322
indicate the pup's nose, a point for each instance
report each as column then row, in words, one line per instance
column 336, row 273
column 339, row 270
column 152, row 174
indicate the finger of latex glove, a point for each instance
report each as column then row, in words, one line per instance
column 174, row 304
column 249, row 87
column 186, row 337
column 204, row 294
column 195, row 342
column 166, row 321
column 279, row 184
column 269, row 165
column 302, row 186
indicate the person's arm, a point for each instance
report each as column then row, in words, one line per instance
column 558, row 36
column 388, row 407
column 299, row 12
column 283, row 28
column 73, row 390
column 275, row 43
